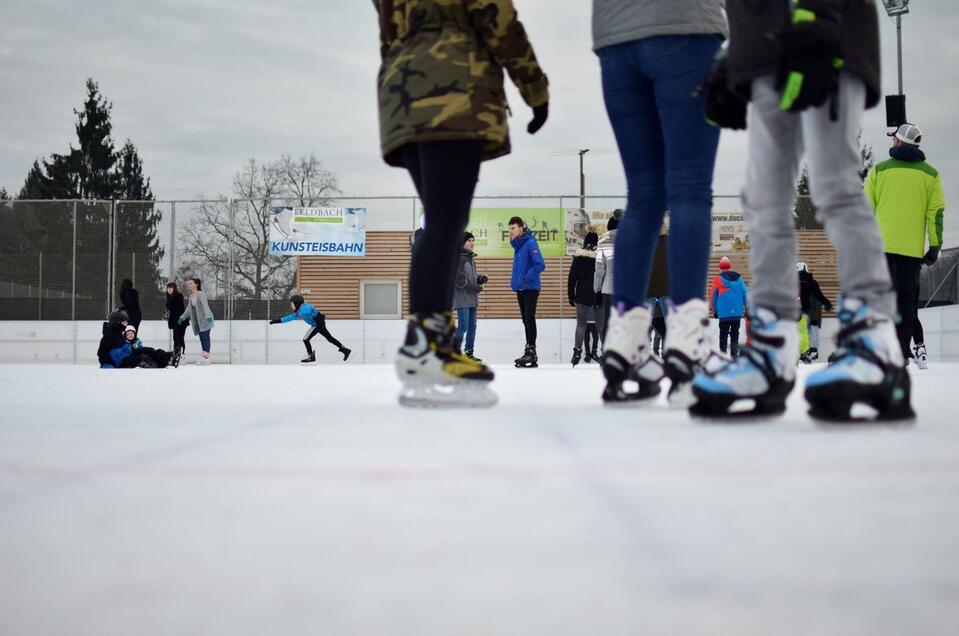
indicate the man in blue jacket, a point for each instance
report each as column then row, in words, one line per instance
column 306, row 312
column 528, row 264
column 728, row 299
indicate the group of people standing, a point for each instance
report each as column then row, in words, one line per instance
column 120, row 346
column 806, row 70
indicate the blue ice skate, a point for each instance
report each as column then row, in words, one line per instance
column 869, row 369
column 763, row 374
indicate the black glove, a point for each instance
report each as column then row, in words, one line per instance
column 828, row 306
column 811, row 56
column 572, row 303
column 275, row 321
column 540, row 114
column 723, row 108
column 482, row 279
column 931, row 256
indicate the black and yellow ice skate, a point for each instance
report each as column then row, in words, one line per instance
column 433, row 374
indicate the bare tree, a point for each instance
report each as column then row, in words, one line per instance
column 211, row 238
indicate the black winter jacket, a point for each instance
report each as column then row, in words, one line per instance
column 753, row 53
column 175, row 306
column 580, row 281
column 112, row 339
column 130, row 303
column 808, row 290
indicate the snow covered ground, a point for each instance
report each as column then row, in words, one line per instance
column 291, row 500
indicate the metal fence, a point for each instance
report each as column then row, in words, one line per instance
column 64, row 260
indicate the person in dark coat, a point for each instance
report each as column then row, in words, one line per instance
column 582, row 296
column 118, row 350
column 175, row 307
column 812, row 302
column 468, row 286
column 130, row 302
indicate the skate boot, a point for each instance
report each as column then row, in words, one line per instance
column 806, row 357
column 919, row 355
column 577, row 354
column 469, row 354
column 764, row 373
column 626, row 357
column 529, row 359
column 203, row 360
column 346, row 353
column 175, row 358
column 685, row 348
column 813, row 354
column 870, row 369
column 432, row 374
column 309, row 359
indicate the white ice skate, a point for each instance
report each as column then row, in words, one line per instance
column 762, row 376
column 203, row 360
column 686, row 348
column 870, row 369
column 626, row 357
column 433, row 375
column 919, row 355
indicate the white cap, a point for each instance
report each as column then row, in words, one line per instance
column 909, row 133
column 130, row 328
column 802, row 267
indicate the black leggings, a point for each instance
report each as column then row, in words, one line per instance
column 904, row 271
column 320, row 329
column 445, row 174
column 527, row 300
column 179, row 344
column 592, row 334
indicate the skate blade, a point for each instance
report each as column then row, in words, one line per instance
column 620, row 398
column 740, row 410
column 438, row 396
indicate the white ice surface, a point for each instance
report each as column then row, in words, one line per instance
column 296, row 500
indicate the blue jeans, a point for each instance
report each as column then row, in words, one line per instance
column 668, row 152
column 465, row 325
column 205, row 341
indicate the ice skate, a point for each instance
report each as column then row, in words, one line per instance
column 469, row 354
column 763, row 374
column 686, row 348
column 625, row 357
column 432, row 374
column 919, row 355
column 175, row 358
column 308, row 360
column 577, row 355
column 529, row 359
column 346, row 353
column 870, row 369
column 203, row 360
column 806, row 357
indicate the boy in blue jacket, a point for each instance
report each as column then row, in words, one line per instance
column 306, row 312
column 728, row 298
column 528, row 264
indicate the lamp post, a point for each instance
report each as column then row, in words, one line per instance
column 896, row 9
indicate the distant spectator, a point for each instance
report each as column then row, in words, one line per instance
column 130, row 302
column 728, row 298
column 175, row 307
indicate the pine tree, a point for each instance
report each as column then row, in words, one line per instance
column 95, row 158
column 3, row 194
column 131, row 185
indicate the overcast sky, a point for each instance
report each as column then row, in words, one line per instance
column 203, row 85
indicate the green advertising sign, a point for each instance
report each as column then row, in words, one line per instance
column 490, row 227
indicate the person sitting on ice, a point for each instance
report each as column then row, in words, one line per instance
column 121, row 349
column 306, row 312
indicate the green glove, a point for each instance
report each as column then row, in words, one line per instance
column 811, row 55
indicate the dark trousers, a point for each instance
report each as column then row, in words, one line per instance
column 591, row 339
column 527, row 300
column 729, row 333
column 159, row 357
column 602, row 316
column 917, row 335
column 320, row 329
column 445, row 174
column 179, row 331
column 904, row 271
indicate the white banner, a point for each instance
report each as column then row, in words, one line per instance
column 317, row 231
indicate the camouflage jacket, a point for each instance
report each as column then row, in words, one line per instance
column 441, row 77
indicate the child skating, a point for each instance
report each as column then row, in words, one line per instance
column 309, row 314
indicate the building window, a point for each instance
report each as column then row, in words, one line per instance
column 381, row 299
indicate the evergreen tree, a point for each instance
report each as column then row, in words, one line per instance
column 131, row 185
column 3, row 194
column 95, row 158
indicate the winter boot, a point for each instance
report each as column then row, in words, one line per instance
column 432, row 374
column 577, row 354
column 919, row 355
column 529, row 359
column 626, row 356
column 469, row 354
column 813, row 354
column 870, row 369
column 764, row 373
column 309, row 359
column 686, row 348
column 346, row 353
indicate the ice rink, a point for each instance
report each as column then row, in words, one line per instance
column 300, row 500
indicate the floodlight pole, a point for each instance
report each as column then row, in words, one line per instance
column 899, row 48
column 582, row 180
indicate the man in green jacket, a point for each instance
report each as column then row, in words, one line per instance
column 906, row 193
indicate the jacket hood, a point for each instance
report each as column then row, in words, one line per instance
column 521, row 239
column 106, row 329
column 907, row 153
column 805, row 275
column 730, row 275
column 585, row 253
